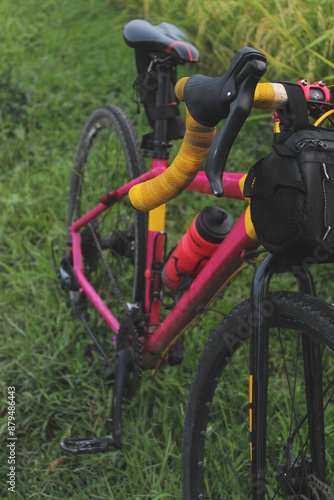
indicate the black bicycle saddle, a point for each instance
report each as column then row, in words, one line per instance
column 164, row 37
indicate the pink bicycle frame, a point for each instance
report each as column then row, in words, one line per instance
column 222, row 265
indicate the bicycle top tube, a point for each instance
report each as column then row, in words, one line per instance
column 208, row 101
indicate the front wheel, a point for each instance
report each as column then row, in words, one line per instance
column 216, row 451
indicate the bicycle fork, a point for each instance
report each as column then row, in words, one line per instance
column 258, row 382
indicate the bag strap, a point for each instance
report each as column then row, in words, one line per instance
column 294, row 116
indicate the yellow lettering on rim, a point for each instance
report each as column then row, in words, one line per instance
column 250, row 389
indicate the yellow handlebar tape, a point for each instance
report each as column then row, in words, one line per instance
column 196, row 144
column 269, row 96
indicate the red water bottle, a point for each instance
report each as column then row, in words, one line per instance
column 203, row 237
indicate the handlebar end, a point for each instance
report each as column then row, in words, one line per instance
column 179, row 88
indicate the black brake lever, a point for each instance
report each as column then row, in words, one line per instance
column 245, row 81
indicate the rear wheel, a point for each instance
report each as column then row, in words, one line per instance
column 216, row 455
column 114, row 243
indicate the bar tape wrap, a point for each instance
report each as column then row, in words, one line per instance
column 196, row 144
column 194, row 149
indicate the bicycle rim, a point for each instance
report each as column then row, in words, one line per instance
column 113, row 244
column 216, row 452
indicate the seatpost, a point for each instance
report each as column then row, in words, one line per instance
column 161, row 125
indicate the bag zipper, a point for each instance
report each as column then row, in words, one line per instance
column 325, row 178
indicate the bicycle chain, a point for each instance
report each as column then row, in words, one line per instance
column 123, row 331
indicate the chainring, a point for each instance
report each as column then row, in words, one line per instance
column 128, row 339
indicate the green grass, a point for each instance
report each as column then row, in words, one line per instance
column 296, row 36
column 59, row 61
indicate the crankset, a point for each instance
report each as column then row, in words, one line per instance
column 92, row 444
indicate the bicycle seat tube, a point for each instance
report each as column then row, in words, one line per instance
column 161, row 143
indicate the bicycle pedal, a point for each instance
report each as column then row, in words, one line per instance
column 91, row 444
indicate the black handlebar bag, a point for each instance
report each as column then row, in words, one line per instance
column 291, row 193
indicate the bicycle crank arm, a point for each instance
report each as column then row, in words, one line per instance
column 92, row 444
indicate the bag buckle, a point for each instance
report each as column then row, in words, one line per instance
column 309, row 142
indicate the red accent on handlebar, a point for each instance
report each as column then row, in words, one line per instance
column 324, row 94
